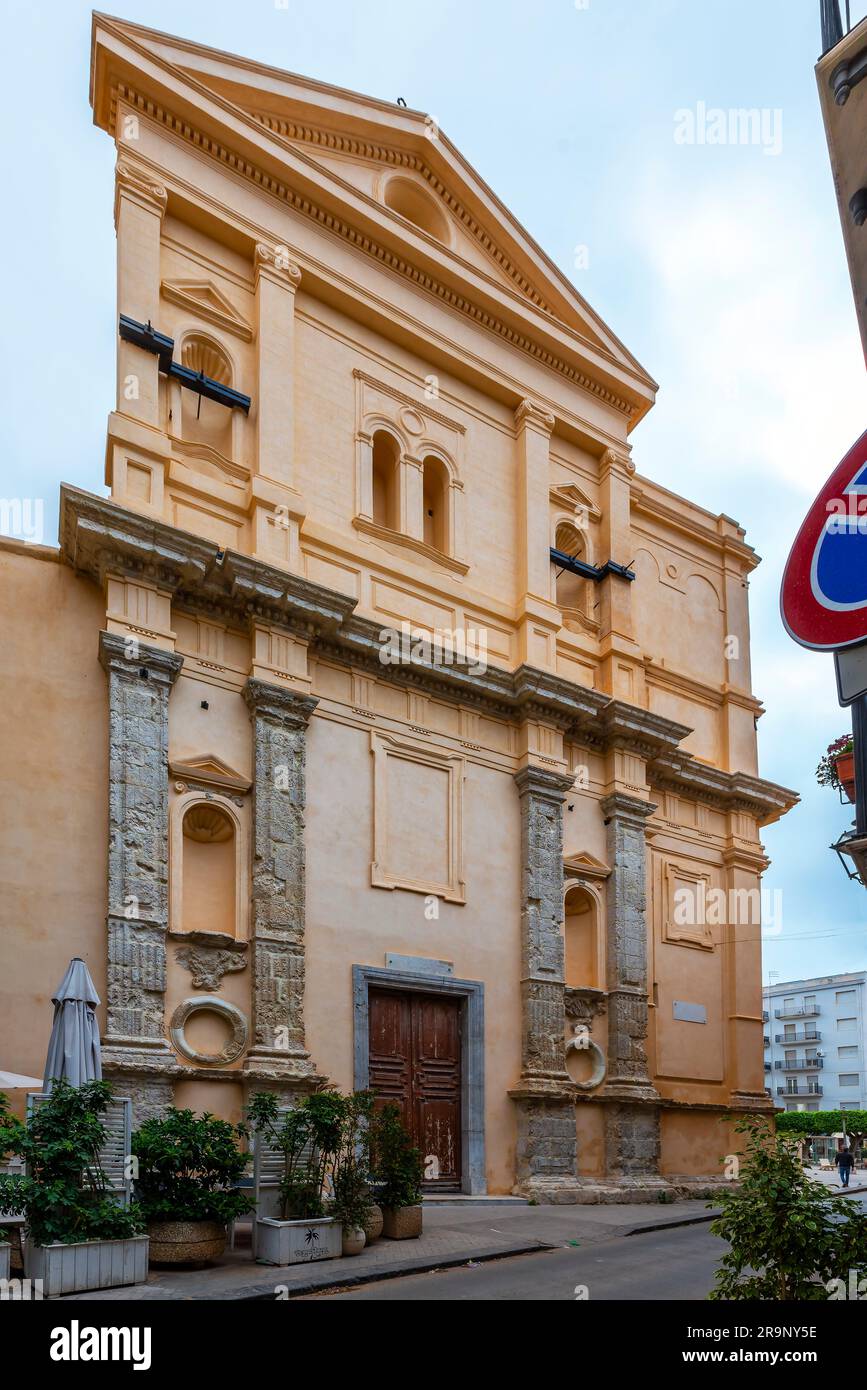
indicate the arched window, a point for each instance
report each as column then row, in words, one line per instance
column 435, row 492
column 209, row 890
column 386, row 462
column 571, row 588
column 203, row 421
column 582, row 940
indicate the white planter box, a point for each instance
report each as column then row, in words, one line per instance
column 298, row 1242
column 5, row 1251
column 89, row 1264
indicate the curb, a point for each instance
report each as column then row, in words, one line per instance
column 422, row 1266
column 672, row 1225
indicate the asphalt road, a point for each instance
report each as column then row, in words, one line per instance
column 659, row 1265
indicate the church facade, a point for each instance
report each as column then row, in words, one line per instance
column 384, row 725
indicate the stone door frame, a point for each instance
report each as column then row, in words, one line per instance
column 472, row 995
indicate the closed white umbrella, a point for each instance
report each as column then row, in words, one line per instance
column 73, row 1049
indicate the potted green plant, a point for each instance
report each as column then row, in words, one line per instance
column 308, row 1139
column 188, row 1170
column 78, row 1236
column 837, row 766
column 398, row 1170
column 352, row 1204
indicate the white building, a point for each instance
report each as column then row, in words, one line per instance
column 814, row 1043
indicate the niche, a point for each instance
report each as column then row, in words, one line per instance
column 571, row 589
column 582, row 964
column 202, row 421
column 208, row 869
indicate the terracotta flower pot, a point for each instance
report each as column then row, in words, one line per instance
column 373, row 1224
column 401, row 1223
column 186, row 1242
column 845, row 765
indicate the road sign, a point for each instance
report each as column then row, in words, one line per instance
column 823, row 600
column 851, row 667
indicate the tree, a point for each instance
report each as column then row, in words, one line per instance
column 789, row 1237
column 809, row 1122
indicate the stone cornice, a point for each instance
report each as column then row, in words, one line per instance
column 464, row 304
column 730, row 791
column 400, row 159
column 98, row 537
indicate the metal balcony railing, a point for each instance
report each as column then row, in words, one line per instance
column 794, row 1091
column 800, row 1064
column 805, row 1011
column 791, row 1039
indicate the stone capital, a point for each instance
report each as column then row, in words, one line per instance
column 278, row 704
column 544, row 783
column 627, row 809
column 137, row 184
column 132, row 660
column 277, row 264
column 611, row 461
column 529, row 412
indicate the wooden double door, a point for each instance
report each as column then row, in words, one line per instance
column 415, row 1063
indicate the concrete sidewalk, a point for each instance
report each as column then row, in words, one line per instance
column 453, row 1235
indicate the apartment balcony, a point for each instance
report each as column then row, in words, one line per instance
column 767, row 1041
column 801, row 1064
column 808, row 1036
column 766, row 1017
column 805, row 1011
column 795, row 1092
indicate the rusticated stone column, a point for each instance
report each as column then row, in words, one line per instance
column 140, row 679
column 547, row 1149
column 280, row 718
column 632, row 1123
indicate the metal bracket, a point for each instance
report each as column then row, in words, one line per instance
column 144, row 335
column 594, row 572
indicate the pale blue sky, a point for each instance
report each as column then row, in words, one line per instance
column 721, row 268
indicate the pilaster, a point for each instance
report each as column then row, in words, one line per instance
column 280, row 718
column 547, row 1146
column 140, row 679
column 139, row 207
column 632, row 1113
column 538, row 617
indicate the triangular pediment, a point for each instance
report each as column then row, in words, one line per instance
column 202, row 297
column 379, row 174
column 570, row 497
column 584, row 865
column 210, row 770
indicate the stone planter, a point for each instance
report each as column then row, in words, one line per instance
column 401, row 1223
column 5, row 1254
column 186, row 1242
column 89, row 1264
column 353, row 1241
column 297, row 1242
column 373, row 1224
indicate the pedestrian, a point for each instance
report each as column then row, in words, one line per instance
column 844, row 1160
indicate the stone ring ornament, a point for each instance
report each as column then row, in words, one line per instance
column 582, row 1043
column 210, row 1003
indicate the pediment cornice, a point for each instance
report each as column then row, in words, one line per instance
column 147, row 73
